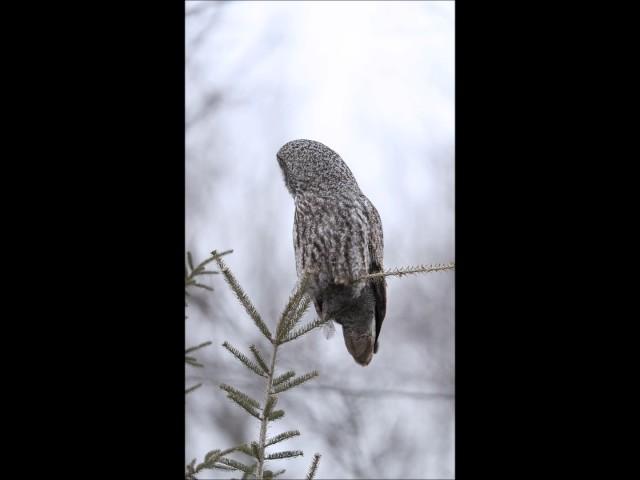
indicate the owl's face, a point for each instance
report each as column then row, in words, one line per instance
column 308, row 165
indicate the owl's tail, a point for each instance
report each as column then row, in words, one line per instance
column 360, row 344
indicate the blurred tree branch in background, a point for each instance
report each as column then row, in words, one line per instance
column 190, row 280
column 354, row 392
column 215, row 459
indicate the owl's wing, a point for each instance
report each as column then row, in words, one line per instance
column 330, row 240
column 297, row 247
column 376, row 264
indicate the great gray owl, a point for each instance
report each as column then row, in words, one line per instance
column 337, row 237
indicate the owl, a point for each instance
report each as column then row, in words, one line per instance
column 337, row 239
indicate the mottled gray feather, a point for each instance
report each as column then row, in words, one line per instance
column 337, row 236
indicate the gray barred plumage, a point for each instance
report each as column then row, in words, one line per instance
column 337, row 236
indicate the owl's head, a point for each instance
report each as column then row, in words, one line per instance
column 310, row 166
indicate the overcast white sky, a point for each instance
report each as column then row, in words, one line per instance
column 375, row 82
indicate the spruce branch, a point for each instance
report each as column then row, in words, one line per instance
column 255, row 451
column 304, row 329
column 214, row 459
column 190, row 280
column 237, row 465
column 247, row 475
column 268, row 408
column 214, row 255
column 217, row 466
column 410, row 270
column 276, row 415
column 211, row 460
column 212, row 455
column 295, row 382
column 244, row 359
column 285, row 454
column 293, row 311
column 259, row 359
column 295, row 298
column 284, row 377
column 237, row 393
column 242, row 399
column 244, row 299
column 246, row 449
column 267, row 413
column 190, row 276
column 281, row 436
column 296, row 306
column 296, row 315
column 314, row 466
